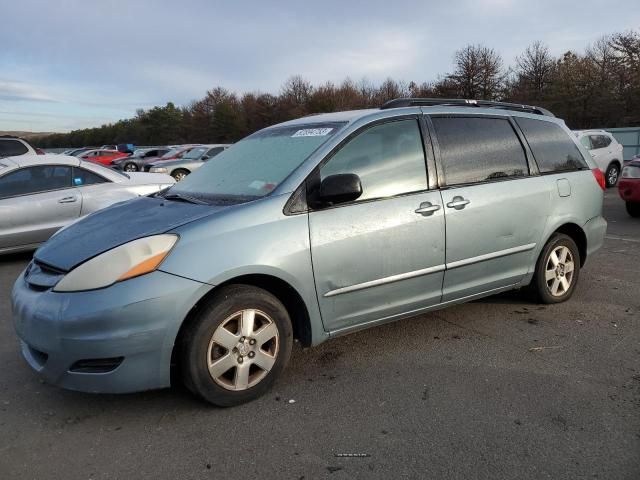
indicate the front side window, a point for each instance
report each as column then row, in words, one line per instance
column 477, row 149
column 255, row 166
column 586, row 141
column 10, row 148
column 552, row 148
column 34, row 180
column 214, row 151
column 388, row 158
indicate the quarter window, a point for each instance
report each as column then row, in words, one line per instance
column 388, row 158
column 34, row 180
column 476, row 149
column 85, row 177
column 551, row 146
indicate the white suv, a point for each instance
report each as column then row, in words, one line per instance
column 11, row 146
column 606, row 152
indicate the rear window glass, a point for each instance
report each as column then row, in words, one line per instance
column 552, row 148
column 10, row 148
column 475, row 149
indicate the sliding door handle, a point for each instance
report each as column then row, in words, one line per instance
column 458, row 203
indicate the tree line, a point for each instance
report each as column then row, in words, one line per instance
column 599, row 87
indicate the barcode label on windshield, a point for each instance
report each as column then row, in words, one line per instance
column 312, row 132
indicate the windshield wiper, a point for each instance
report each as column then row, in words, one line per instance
column 183, row 198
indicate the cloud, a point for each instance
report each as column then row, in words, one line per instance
column 22, row 91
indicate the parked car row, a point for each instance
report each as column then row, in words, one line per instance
column 177, row 160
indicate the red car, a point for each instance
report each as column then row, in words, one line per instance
column 104, row 157
column 629, row 187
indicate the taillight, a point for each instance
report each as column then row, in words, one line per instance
column 599, row 178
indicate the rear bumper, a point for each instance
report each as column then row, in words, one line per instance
column 132, row 323
column 629, row 189
column 595, row 230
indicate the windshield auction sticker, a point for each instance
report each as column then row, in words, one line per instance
column 312, row 132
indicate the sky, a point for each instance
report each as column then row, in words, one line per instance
column 68, row 64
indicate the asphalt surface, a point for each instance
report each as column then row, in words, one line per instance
column 499, row 388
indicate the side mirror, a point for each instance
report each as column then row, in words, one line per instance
column 205, row 158
column 341, row 188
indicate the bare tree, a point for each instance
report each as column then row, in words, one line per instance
column 478, row 73
column 534, row 69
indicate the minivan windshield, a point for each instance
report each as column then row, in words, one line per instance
column 254, row 167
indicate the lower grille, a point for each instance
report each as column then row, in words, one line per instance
column 96, row 365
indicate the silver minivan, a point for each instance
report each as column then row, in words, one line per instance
column 307, row 230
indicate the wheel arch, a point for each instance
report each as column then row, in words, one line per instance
column 577, row 234
column 282, row 290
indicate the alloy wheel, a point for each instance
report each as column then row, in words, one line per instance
column 559, row 271
column 612, row 176
column 243, row 349
column 130, row 167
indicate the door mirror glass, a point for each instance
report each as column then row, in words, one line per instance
column 340, row 188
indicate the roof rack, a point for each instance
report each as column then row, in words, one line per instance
column 460, row 102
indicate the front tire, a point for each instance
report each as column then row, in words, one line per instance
column 130, row 167
column 633, row 209
column 557, row 270
column 179, row 174
column 237, row 346
column 612, row 175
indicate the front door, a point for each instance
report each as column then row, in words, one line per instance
column 35, row 202
column 382, row 255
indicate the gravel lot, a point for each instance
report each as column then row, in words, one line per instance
column 499, row 388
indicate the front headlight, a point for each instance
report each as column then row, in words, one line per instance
column 631, row 171
column 158, row 170
column 121, row 263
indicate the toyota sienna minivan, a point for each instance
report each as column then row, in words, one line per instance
column 306, row 230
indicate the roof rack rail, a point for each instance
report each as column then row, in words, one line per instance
column 460, row 102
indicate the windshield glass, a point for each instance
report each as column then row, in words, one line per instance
column 172, row 152
column 256, row 165
column 195, row 153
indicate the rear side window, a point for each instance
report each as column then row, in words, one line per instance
column 476, row 149
column 388, row 158
column 552, row 148
column 34, row 180
column 10, row 148
column 600, row 141
column 85, row 177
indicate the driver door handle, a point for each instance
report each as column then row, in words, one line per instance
column 427, row 208
column 458, row 203
column 68, row 199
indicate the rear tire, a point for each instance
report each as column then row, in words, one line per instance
column 237, row 346
column 557, row 270
column 633, row 209
column 612, row 174
column 130, row 167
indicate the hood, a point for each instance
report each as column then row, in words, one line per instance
column 116, row 225
column 145, row 178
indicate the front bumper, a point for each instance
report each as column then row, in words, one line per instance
column 135, row 321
